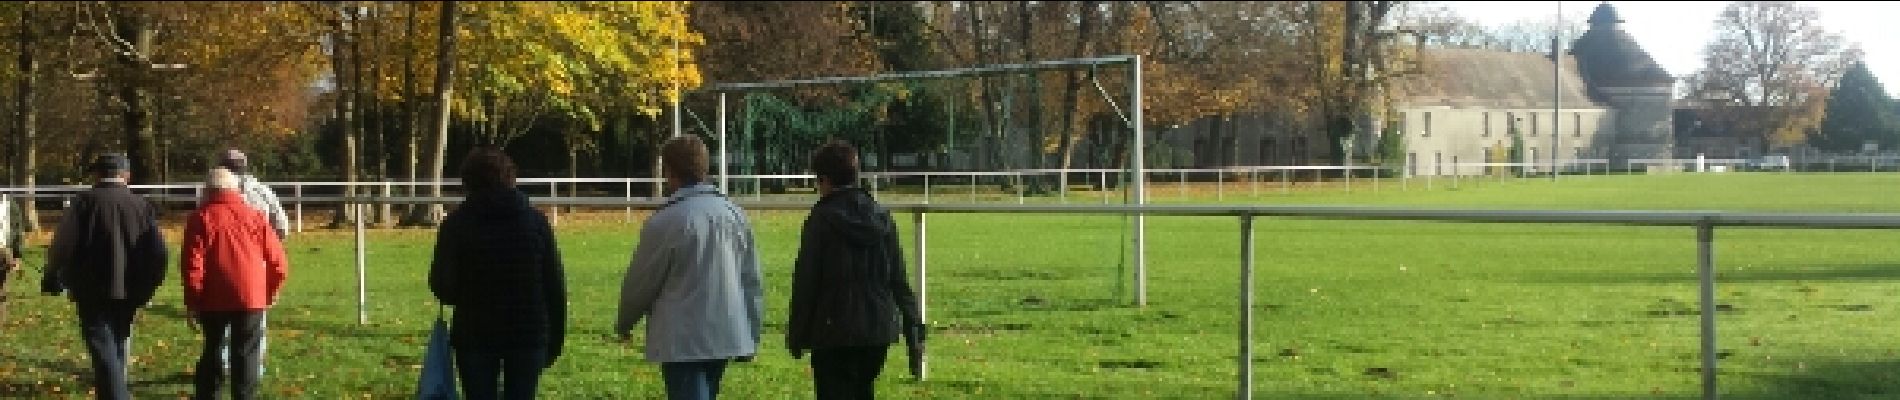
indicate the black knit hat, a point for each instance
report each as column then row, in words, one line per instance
column 110, row 162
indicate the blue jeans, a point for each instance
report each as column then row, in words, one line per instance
column 693, row 380
column 106, row 326
column 510, row 374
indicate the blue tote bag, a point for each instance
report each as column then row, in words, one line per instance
column 438, row 365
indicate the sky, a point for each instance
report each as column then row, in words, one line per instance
column 1675, row 32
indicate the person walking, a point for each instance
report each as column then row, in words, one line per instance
column 12, row 237
column 109, row 253
column 497, row 264
column 695, row 272
column 232, row 266
column 260, row 197
column 850, row 299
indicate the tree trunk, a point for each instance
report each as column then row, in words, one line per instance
column 141, row 141
column 1066, row 147
column 410, row 110
column 28, row 123
column 444, row 72
column 340, row 66
column 1026, row 41
column 375, row 145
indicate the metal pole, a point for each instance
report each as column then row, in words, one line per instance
column 724, row 157
column 1246, row 306
column 1705, row 267
column 1141, row 192
column 628, row 186
column 922, row 290
column 926, row 189
column 554, row 212
column 362, row 277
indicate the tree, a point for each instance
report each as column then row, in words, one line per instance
column 26, row 133
column 1767, row 70
column 1858, row 111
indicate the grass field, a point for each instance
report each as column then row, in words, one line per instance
column 1026, row 306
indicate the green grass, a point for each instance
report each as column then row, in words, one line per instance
column 1029, row 306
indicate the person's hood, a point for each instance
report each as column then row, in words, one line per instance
column 853, row 214
column 497, row 203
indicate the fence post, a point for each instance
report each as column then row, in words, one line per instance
column 973, row 186
column 554, row 212
column 297, row 189
column 1285, row 183
column 1705, row 267
column 1246, row 306
column 382, row 210
column 362, row 277
column 922, row 289
column 628, row 186
column 1455, row 176
column 926, row 188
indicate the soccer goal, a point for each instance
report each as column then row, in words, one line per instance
column 768, row 165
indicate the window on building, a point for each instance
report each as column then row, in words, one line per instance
column 1411, row 163
column 1510, row 124
column 1534, row 125
column 1576, row 124
column 1487, row 124
column 1438, row 163
column 1428, row 125
column 1402, row 123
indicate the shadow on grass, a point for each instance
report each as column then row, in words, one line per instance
column 1832, row 380
column 1854, row 272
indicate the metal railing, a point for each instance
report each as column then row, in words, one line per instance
column 1704, row 224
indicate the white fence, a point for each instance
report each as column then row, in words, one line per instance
column 1704, row 224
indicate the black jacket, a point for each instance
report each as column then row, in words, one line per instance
column 497, row 263
column 849, row 286
column 108, row 247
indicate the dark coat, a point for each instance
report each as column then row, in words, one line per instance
column 497, row 263
column 849, row 286
column 108, row 247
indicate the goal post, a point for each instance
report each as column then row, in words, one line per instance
column 1137, row 158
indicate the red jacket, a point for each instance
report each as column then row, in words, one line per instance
column 232, row 260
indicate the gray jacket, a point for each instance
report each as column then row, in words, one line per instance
column 696, row 272
column 260, row 197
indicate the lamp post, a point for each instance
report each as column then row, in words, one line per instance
column 1557, row 87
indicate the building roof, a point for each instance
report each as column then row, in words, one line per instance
column 1489, row 78
column 1611, row 57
